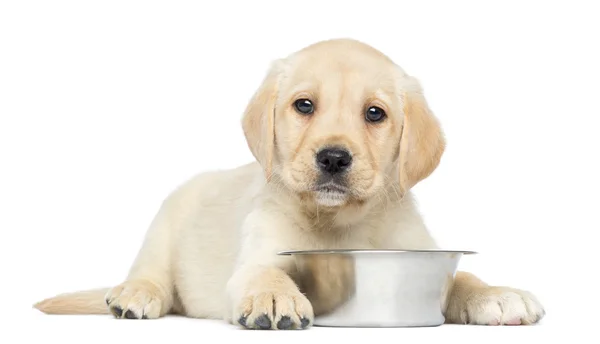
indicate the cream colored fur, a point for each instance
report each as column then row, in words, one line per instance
column 211, row 249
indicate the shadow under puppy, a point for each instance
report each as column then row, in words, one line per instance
column 340, row 134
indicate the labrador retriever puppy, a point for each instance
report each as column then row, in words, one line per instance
column 340, row 134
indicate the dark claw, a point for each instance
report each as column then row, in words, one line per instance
column 117, row 311
column 144, row 316
column 242, row 321
column 285, row 323
column 263, row 322
column 107, row 302
column 304, row 322
column 130, row 315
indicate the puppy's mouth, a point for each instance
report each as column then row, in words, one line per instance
column 331, row 188
column 331, row 194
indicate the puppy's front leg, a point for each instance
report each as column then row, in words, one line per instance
column 266, row 298
column 261, row 293
column 474, row 302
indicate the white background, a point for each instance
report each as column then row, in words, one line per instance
column 106, row 106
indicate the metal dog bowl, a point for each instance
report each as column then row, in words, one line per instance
column 376, row 288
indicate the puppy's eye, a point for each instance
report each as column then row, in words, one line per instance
column 374, row 114
column 304, row 106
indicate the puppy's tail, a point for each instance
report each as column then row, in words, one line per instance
column 81, row 302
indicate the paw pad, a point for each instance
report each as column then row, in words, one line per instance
column 263, row 322
column 117, row 311
column 285, row 323
column 130, row 315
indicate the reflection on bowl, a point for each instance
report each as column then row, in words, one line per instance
column 376, row 288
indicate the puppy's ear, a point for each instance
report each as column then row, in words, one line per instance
column 422, row 143
column 258, row 121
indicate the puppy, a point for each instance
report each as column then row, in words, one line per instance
column 340, row 134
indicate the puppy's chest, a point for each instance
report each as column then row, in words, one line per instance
column 348, row 237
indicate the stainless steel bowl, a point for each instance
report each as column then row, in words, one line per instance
column 376, row 288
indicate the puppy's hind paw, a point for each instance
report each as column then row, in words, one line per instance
column 135, row 300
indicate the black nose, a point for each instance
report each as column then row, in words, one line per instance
column 334, row 160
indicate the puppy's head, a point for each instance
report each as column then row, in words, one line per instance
column 338, row 121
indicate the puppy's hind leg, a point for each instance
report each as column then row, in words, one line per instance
column 148, row 291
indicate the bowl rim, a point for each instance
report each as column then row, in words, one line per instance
column 371, row 250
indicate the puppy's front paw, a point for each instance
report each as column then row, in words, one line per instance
column 501, row 306
column 135, row 300
column 274, row 310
